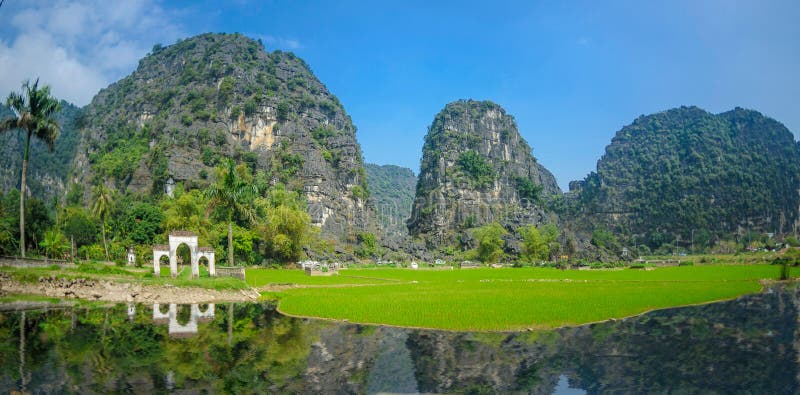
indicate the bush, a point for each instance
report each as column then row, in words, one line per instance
column 477, row 168
column 186, row 120
column 490, row 242
column 55, row 244
column 686, row 263
column 528, row 190
column 637, row 266
column 203, row 115
column 604, row 239
column 226, row 90
column 368, row 245
column 250, row 107
column 359, row 192
column 283, row 111
column 92, row 252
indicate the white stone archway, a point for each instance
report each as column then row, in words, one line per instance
column 208, row 253
column 177, row 238
column 158, row 316
column 175, row 328
column 158, row 252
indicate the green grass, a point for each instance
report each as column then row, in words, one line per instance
column 514, row 299
column 261, row 277
column 27, row 298
column 512, row 306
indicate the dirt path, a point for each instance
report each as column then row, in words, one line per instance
column 110, row 291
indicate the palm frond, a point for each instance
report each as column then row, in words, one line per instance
column 8, row 125
column 16, row 102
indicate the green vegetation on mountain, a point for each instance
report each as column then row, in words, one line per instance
column 687, row 178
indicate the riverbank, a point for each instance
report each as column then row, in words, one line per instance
column 54, row 286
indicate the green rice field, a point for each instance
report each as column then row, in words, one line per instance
column 504, row 299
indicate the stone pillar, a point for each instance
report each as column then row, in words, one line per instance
column 212, row 269
column 195, row 262
column 173, row 261
column 156, row 264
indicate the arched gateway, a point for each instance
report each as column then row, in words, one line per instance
column 177, row 238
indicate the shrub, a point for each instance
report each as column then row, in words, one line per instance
column 203, row 115
column 186, row 120
column 322, row 132
column 226, row 90
column 283, row 111
column 637, row 265
column 359, row 192
column 528, row 190
column 368, row 245
column 477, row 168
column 92, row 252
column 490, row 242
column 250, row 107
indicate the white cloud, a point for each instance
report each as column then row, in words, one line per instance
column 79, row 47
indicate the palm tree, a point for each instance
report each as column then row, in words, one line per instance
column 101, row 207
column 231, row 193
column 34, row 111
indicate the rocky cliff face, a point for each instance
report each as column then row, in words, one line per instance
column 686, row 175
column 476, row 169
column 47, row 171
column 190, row 105
column 392, row 194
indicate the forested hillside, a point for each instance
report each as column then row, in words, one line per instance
column 686, row 177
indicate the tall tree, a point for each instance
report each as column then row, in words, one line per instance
column 232, row 193
column 34, row 109
column 101, row 207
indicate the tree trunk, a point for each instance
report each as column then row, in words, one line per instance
column 22, row 197
column 230, row 241
column 105, row 246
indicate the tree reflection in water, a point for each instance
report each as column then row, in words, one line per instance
column 745, row 345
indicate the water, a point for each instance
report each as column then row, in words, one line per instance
column 748, row 345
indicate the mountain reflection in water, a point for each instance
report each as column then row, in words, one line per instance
column 746, row 345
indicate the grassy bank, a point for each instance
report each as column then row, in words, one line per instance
column 99, row 271
column 506, row 299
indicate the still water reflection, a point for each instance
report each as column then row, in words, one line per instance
column 747, row 345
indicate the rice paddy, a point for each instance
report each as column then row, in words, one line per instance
column 504, row 299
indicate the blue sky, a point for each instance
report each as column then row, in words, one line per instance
column 572, row 73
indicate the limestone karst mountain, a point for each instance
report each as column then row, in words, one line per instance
column 476, row 169
column 214, row 96
column 686, row 177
